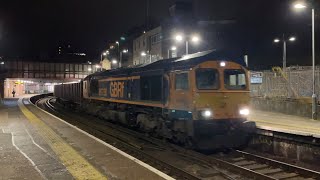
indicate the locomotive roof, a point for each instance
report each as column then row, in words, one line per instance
column 184, row 62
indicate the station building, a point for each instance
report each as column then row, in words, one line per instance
column 27, row 77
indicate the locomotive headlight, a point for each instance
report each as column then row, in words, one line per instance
column 206, row 114
column 244, row 111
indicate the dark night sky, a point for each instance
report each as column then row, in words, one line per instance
column 37, row 27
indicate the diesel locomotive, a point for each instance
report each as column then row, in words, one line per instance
column 199, row 100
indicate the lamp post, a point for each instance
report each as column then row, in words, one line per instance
column 314, row 96
column 114, row 62
column 193, row 38
column 284, row 55
column 173, row 48
column 102, row 55
column 121, row 53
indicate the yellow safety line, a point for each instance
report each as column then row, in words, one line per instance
column 77, row 165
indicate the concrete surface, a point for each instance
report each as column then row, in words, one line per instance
column 35, row 145
column 297, row 107
column 285, row 123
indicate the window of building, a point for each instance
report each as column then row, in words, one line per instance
column 207, row 78
column 156, row 38
column 182, row 82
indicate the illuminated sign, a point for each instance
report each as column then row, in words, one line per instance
column 256, row 77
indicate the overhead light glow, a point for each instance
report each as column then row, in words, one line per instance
column 179, row 37
column 195, row 39
column 276, row 40
column 89, row 69
column 292, row 38
column 104, row 54
column 98, row 66
column 125, row 50
column 299, row 6
column 173, row 48
column 222, row 64
column 2, row 63
column 143, row 54
column 114, row 61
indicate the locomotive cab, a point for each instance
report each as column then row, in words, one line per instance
column 221, row 91
column 214, row 97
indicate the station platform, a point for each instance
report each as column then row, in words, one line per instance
column 285, row 123
column 37, row 145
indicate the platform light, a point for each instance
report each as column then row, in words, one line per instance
column 299, row 6
column 89, row 69
column 143, row 54
column 114, row 61
column 179, row 37
column 244, row 111
column 98, row 66
column 173, row 48
column 195, row 38
column 276, row 40
column 292, row 38
column 222, row 64
column 125, row 50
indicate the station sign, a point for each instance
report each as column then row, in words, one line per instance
column 256, row 77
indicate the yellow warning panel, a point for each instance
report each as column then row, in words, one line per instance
column 77, row 165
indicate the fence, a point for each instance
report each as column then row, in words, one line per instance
column 294, row 82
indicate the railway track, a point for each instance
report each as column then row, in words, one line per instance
column 147, row 153
column 236, row 165
column 266, row 168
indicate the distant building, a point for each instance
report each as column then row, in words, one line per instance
column 148, row 47
column 159, row 43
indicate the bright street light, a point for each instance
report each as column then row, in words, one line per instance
column 292, row 38
column 143, row 54
column 284, row 55
column 299, row 6
column 195, row 39
column 2, row 63
column 276, row 40
column 114, row 61
column 314, row 95
column 117, row 42
column 125, row 50
column 179, row 37
column 104, row 54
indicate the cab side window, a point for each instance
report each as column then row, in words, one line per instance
column 182, row 81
